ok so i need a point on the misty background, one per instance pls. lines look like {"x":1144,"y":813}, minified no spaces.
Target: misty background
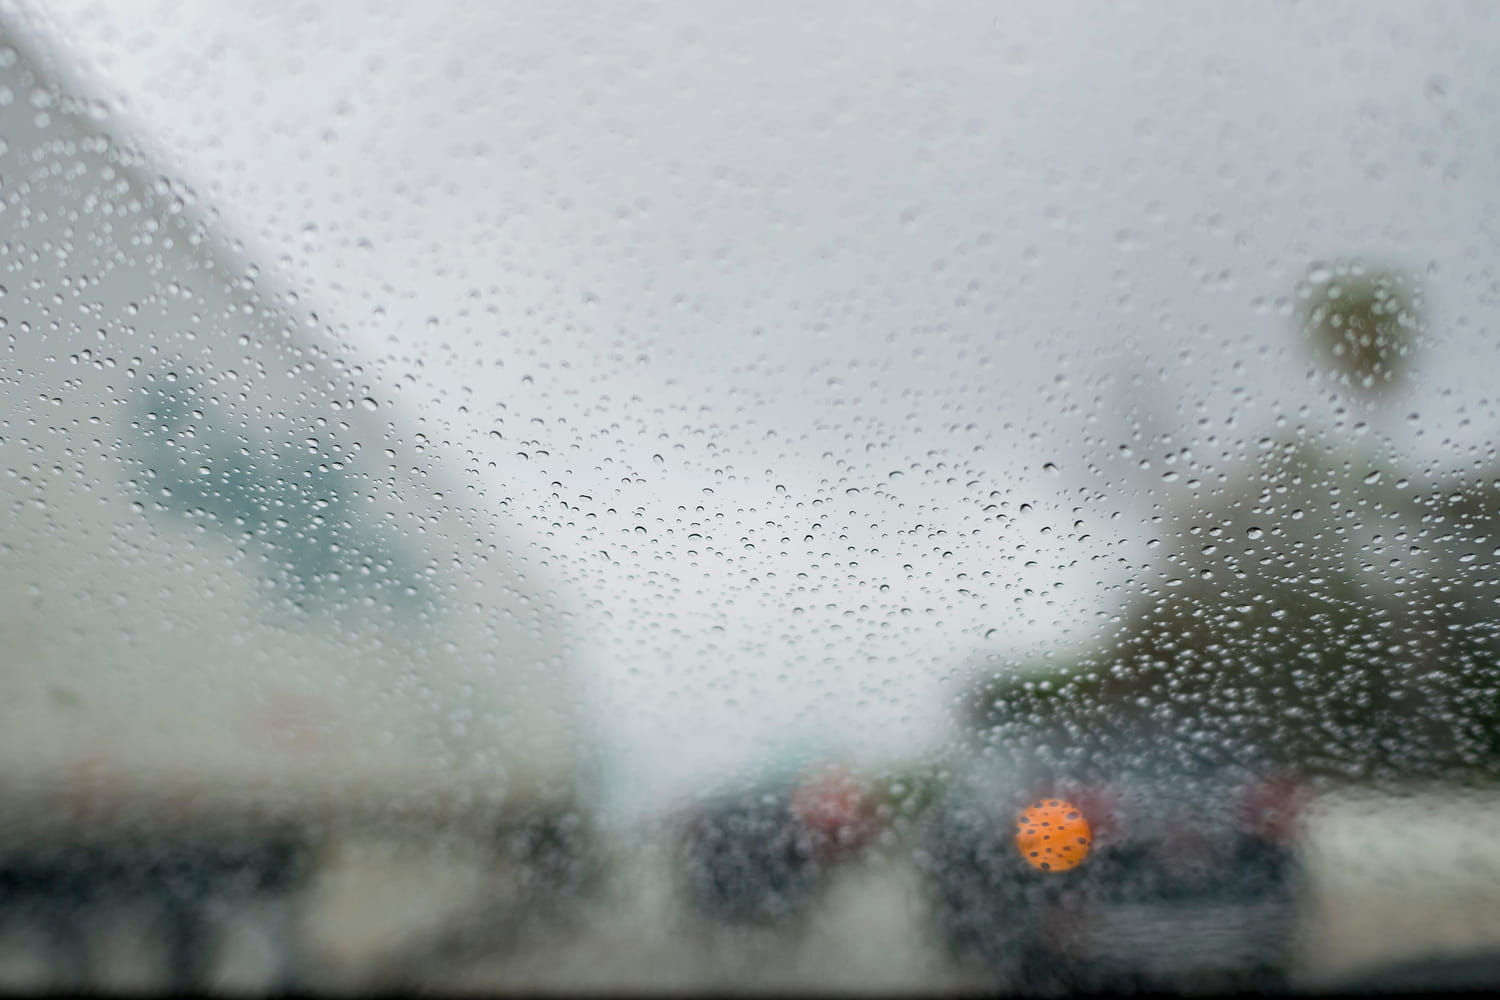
{"x":804,"y":345}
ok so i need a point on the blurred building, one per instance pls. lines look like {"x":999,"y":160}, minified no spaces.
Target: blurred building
{"x":244,"y":600}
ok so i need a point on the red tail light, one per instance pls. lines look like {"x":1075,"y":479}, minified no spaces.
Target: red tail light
{"x":832,"y":802}
{"x":1270,"y":809}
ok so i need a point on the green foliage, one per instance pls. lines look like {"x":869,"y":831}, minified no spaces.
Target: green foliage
{"x":901,"y":796}
{"x":1337,"y":621}
{"x":1364,"y":321}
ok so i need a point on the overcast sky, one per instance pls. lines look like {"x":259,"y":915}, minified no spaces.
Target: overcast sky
{"x":802,"y":338}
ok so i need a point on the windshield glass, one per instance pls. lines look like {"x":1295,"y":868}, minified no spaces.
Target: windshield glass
{"x":755,"y":498}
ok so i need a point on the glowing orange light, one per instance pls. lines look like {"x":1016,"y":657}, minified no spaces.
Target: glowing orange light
{"x":1052,"y":835}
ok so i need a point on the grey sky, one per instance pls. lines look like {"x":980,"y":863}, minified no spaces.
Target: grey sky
{"x":843,"y":280}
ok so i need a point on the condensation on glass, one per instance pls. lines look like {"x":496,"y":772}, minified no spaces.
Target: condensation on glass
{"x":993,"y":499}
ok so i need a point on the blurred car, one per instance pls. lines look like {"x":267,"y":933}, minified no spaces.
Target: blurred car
{"x":1061,"y":859}
{"x":759,"y":855}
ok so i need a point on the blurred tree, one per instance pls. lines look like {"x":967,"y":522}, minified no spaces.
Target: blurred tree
{"x":1295,"y":612}
{"x":1363,"y":319}
{"x":901,"y":795}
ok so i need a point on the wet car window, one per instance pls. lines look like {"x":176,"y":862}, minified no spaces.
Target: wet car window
{"x":981,"y":498}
